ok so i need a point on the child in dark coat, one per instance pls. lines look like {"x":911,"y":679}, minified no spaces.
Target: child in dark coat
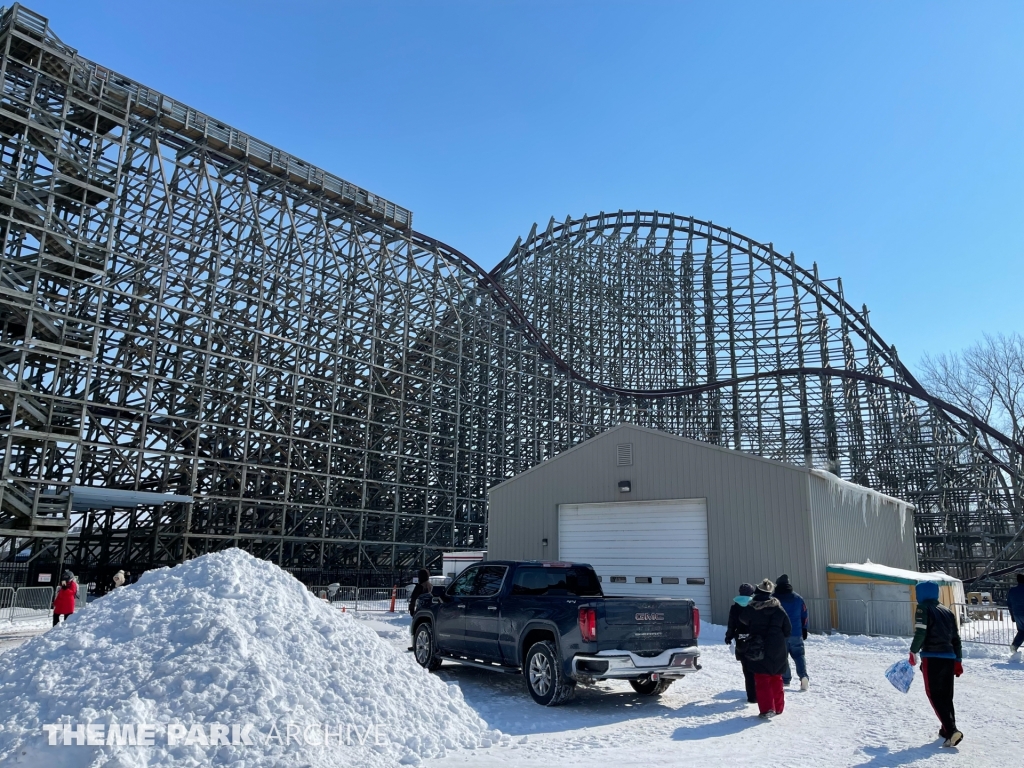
{"x":734,"y":631}
{"x":767,"y":653}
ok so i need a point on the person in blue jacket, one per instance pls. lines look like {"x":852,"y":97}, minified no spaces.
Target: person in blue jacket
{"x":796,"y":609}
{"x":1015,"y":602}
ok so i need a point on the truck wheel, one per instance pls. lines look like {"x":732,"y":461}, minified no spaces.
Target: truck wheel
{"x":647,"y":687}
{"x":423,"y":646}
{"x":544,"y":679}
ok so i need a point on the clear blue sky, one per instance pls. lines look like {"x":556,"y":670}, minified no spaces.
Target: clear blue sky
{"x":883,"y":140}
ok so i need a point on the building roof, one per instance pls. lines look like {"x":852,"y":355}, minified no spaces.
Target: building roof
{"x":842,"y":485}
{"x":656,"y":432}
{"x":85,"y":497}
{"x":887,"y":573}
{"x":847,"y":486}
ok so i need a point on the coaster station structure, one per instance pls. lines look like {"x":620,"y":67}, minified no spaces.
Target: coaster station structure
{"x":206,"y":342}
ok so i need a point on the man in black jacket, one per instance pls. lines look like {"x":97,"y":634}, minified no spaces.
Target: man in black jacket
{"x":734,"y":631}
{"x":937,"y":639}
{"x":767,"y":653}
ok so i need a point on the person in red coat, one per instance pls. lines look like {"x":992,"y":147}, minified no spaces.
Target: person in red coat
{"x":64,"y":602}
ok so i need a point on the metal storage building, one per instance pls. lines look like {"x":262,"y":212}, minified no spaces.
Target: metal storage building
{"x":659,"y":514}
{"x":874,"y":599}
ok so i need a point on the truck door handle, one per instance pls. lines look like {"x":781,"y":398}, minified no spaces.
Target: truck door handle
{"x":492,"y":607}
{"x":460,"y":605}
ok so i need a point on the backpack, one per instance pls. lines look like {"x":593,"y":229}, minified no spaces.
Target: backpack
{"x":753,"y":649}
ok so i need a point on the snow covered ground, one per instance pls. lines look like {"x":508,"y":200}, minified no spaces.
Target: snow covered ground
{"x":851,"y":716}
{"x":201,"y":622}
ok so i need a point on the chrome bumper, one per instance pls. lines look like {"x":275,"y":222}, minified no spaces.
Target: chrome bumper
{"x":623,"y":665}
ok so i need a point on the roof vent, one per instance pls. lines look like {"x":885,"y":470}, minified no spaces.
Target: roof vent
{"x":624,"y":455}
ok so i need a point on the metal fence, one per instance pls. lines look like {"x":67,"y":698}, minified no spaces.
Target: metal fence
{"x":992,"y":627}
{"x":364,"y":599}
{"x":32,"y":604}
{"x":6,"y":603}
{"x":895,"y":618}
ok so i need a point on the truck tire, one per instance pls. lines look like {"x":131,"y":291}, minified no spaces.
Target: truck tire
{"x":647,"y":687}
{"x":544,"y":678}
{"x":424,"y":648}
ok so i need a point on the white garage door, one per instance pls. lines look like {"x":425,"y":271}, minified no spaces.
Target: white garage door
{"x":650,"y":548}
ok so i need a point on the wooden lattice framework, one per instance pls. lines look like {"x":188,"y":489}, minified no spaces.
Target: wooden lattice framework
{"x":185,"y":309}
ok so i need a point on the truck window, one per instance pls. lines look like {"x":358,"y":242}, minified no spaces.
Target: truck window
{"x":580,"y":582}
{"x":488,"y":580}
{"x":464,"y":584}
{"x":583,"y":583}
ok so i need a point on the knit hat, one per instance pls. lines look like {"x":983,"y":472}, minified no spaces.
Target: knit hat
{"x":422,"y":575}
{"x":746,"y":590}
{"x":927,"y":590}
{"x":782,"y":581}
{"x":766,"y":586}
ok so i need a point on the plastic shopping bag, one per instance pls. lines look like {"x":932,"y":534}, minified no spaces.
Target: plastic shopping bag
{"x":901,"y":675}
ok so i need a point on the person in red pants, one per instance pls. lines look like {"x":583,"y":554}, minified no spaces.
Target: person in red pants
{"x":64,"y":602}
{"x":768,"y":625}
{"x":937,"y":639}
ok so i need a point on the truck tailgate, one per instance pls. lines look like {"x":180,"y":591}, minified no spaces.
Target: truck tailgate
{"x":645,"y":626}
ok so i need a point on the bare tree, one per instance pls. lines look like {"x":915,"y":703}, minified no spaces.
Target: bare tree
{"x":987,"y":381}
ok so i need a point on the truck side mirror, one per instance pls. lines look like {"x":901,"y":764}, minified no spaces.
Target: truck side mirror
{"x":437,"y":591}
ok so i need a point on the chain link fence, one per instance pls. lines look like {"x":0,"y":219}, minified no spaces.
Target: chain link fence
{"x":895,"y":618}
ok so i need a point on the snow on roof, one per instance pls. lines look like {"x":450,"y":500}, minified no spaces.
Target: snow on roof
{"x":889,"y":573}
{"x":231,"y":640}
{"x":846,"y":485}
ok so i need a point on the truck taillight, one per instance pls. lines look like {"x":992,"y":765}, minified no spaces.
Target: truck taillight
{"x":588,"y":625}
{"x":696,"y":623}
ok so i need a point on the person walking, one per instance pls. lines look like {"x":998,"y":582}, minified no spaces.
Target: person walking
{"x":735,"y":632}
{"x":768,"y":625}
{"x":796,"y":609}
{"x":937,"y":639}
{"x":64,"y":602}
{"x":1015,"y":602}
{"x":422,"y":588}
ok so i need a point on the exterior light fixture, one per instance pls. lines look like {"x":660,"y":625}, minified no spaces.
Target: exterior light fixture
{"x":625,"y":486}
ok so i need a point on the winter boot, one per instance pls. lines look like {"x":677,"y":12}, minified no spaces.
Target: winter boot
{"x":767,"y":715}
{"x":953,"y":740}
{"x":804,"y":683}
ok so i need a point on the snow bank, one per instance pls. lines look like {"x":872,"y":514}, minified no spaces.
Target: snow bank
{"x":230,"y":640}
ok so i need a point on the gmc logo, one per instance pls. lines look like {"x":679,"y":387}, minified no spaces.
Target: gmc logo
{"x":650,"y":617}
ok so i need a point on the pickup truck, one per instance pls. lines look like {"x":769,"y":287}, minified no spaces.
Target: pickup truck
{"x":551,"y":623}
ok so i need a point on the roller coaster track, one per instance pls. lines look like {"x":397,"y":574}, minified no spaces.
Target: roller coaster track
{"x":338,"y":390}
{"x":957,"y":418}
{"x":490,"y":282}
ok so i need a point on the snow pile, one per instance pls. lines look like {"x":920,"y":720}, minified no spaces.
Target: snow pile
{"x":225,"y":640}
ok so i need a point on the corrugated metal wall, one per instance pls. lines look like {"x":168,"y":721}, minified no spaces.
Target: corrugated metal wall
{"x":854,"y":525}
{"x":759,"y":511}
